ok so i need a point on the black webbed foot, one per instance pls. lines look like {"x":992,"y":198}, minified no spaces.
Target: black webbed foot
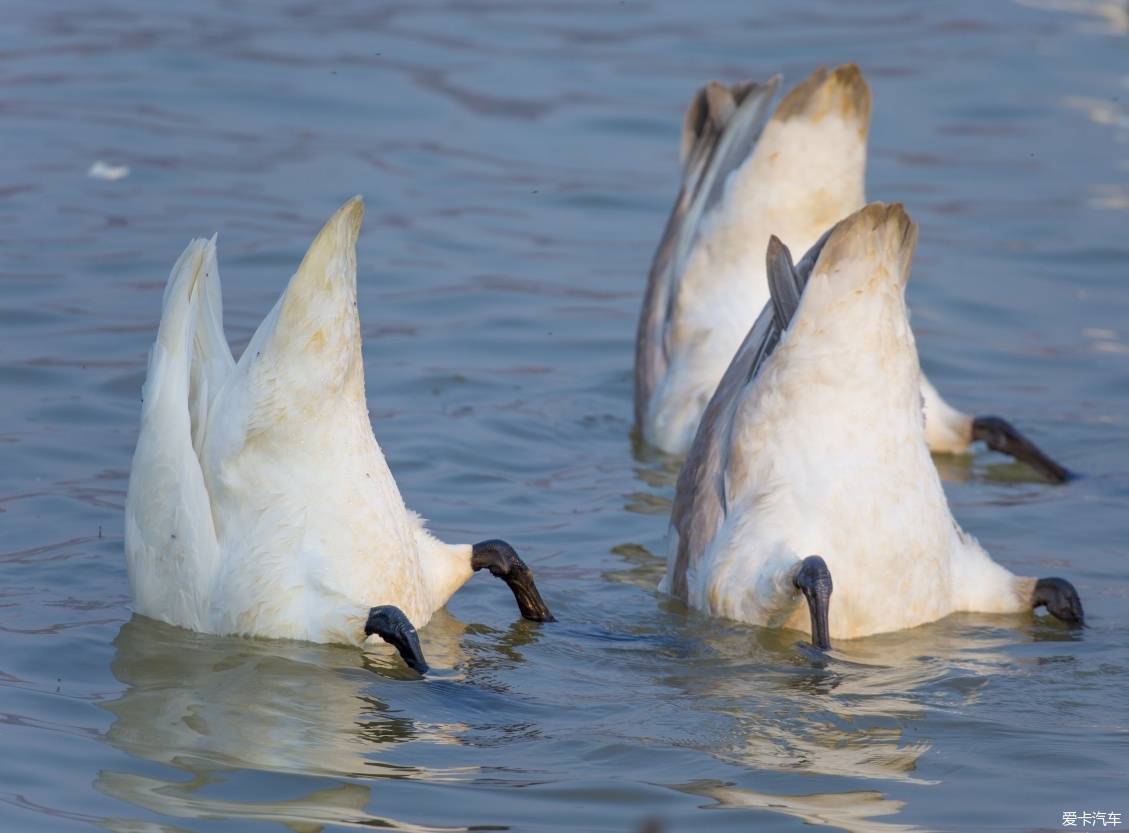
{"x":390,"y":624}
{"x":1001,"y":436}
{"x":502,"y":561}
{"x":813,"y":579}
{"x":1060,"y":599}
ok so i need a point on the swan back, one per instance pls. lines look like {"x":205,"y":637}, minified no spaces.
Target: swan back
{"x":803,"y":172}
{"x":259,"y":500}
{"x":808,"y":170}
{"x":306,"y":508}
{"x":818,"y":448}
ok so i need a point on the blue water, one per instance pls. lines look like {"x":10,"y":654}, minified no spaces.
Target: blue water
{"x":518,"y":162}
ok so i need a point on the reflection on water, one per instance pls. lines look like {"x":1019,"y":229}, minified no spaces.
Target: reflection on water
{"x":1115,"y":13}
{"x":297,"y":732}
{"x":862,"y":711}
{"x":213,"y":703}
{"x":829,"y":745}
{"x":219,"y":708}
{"x":792,"y":710}
{"x":341,"y":804}
{"x":850,"y":811}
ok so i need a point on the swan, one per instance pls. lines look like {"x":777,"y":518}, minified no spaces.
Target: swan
{"x":259,"y":501}
{"x":811,"y":462}
{"x":747,"y":175}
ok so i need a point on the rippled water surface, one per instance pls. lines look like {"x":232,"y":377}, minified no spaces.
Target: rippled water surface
{"x":518,"y":161}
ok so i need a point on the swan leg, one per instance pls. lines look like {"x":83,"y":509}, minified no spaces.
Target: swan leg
{"x":813,"y":579}
{"x":1059,"y":597}
{"x":390,"y":624}
{"x":1001,"y":436}
{"x":502,"y":561}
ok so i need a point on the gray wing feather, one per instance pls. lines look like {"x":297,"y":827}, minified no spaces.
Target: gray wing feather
{"x":722,"y":127}
{"x":700,"y":503}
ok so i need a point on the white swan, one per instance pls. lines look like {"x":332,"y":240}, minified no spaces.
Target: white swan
{"x":259,"y":501}
{"x":748,"y":176}
{"x":811,"y":462}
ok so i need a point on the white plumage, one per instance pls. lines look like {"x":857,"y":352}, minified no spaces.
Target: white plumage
{"x":796,"y":177}
{"x":814,"y":444}
{"x":259,"y":500}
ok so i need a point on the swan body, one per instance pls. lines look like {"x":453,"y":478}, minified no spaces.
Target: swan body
{"x":747,"y":177}
{"x":814,"y":444}
{"x":259,"y":500}
{"x":804,"y":170}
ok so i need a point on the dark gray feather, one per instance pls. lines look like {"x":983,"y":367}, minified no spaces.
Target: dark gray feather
{"x":700,"y":503}
{"x":725,"y":124}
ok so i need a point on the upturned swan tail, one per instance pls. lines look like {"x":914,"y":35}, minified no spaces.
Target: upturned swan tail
{"x":170,"y":539}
